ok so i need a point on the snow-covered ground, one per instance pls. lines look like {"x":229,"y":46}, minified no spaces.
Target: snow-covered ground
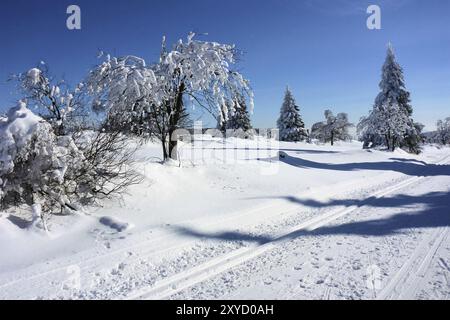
{"x":232,"y":220}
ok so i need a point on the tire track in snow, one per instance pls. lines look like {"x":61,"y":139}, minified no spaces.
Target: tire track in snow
{"x":185,"y":279}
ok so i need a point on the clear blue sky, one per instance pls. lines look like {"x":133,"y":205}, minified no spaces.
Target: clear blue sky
{"x":320,"y":48}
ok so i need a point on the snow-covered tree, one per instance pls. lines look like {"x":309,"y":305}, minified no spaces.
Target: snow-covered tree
{"x":390,"y":123}
{"x":290,"y":124}
{"x":443,"y":131}
{"x":54,"y":101}
{"x":235,"y":117}
{"x":392,"y":85}
{"x":333,"y":129}
{"x":194,"y":71}
{"x":239,"y":117}
{"x":414,"y":138}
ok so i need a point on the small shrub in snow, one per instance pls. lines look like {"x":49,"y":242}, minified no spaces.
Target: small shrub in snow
{"x":50,"y":173}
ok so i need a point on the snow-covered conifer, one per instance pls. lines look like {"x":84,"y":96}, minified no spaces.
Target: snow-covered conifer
{"x":390,"y":123}
{"x":290,"y":124}
{"x":239,"y":117}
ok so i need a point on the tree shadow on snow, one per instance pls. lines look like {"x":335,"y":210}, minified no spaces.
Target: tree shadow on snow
{"x":225,"y":236}
{"x":19,"y":222}
{"x":297,"y":151}
{"x":436,"y":213}
{"x":408,"y":167}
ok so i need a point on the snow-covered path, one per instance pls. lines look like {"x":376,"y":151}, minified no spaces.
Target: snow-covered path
{"x":358,"y":225}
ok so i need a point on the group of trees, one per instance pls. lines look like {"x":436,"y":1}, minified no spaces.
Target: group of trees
{"x":150,"y":99}
{"x":292,"y":128}
{"x":78,"y":149}
{"x":55,"y":162}
{"x":389,"y":124}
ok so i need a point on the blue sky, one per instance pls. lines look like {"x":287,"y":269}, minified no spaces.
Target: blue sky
{"x":322,"y":49}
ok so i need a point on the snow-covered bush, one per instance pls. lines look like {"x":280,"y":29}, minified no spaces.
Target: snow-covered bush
{"x":36,"y":165}
{"x":108,"y":167}
{"x":333,"y":129}
{"x":50,"y":173}
{"x":290,"y":123}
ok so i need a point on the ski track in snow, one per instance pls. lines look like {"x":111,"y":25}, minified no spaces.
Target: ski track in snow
{"x":405,"y":283}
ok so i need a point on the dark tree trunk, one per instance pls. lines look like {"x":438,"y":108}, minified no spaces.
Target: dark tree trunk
{"x":165,"y":154}
{"x":173,"y":148}
{"x":174,"y":122}
{"x":388,"y":142}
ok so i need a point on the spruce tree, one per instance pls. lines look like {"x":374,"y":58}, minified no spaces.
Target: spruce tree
{"x":392,"y":85}
{"x":390,"y":122}
{"x":290,"y":123}
{"x":239,"y":118}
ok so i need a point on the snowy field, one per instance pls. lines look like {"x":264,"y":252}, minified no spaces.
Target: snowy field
{"x":233,"y":220}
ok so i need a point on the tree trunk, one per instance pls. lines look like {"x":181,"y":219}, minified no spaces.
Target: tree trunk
{"x":174,"y":122}
{"x":173,"y":147}
{"x":332,"y":138}
{"x":388,"y":141}
{"x":165,"y":154}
